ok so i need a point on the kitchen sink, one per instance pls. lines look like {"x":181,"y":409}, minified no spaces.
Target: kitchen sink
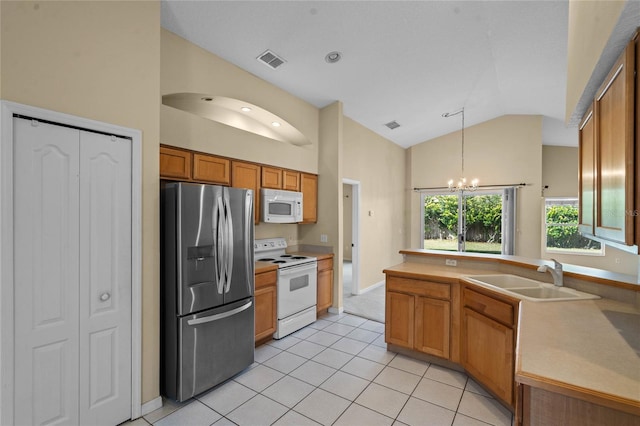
{"x":528,"y":289}
{"x":505,"y":281}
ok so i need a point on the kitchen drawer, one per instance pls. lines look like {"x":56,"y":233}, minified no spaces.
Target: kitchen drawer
{"x":492,"y":308}
{"x":266,"y":279}
{"x":325,"y":264}
{"x":419,"y":287}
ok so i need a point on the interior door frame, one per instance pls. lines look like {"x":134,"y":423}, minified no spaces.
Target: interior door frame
{"x":355,"y":234}
{"x":7,"y":111}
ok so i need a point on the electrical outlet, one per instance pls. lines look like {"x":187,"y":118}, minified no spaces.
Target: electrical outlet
{"x":324,"y":238}
{"x":451,"y":262}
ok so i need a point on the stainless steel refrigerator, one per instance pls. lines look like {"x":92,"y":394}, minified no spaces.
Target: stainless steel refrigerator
{"x":207,"y":264}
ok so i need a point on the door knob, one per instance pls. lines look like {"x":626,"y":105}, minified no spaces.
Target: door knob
{"x":105,"y":296}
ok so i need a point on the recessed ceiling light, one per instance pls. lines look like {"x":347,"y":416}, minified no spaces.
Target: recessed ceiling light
{"x":207,"y":99}
{"x":333,"y":57}
{"x":275,"y":124}
{"x":245,"y":109}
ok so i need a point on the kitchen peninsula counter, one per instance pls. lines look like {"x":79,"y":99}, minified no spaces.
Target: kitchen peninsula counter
{"x":588,"y":350}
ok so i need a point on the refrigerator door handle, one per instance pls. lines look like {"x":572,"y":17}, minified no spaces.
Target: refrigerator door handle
{"x":217,"y":317}
{"x":220,"y":243}
{"x":248,"y":249}
{"x":229,"y":237}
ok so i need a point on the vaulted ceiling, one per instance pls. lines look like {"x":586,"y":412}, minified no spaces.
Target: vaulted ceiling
{"x":403,"y":61}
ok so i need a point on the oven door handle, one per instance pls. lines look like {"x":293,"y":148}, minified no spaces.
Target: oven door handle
{"x":297,"y":270}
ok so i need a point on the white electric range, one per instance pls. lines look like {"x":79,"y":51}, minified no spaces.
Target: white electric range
{"x":296,"y":285}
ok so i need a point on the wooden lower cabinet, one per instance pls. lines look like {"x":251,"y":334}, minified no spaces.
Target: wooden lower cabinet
{"x":400,"y":313}
{"x":418,"y":315}
{"x":325,"y":284}
{"x":265,"y":305}
{"x":541,"y":407}
{"x":488,"y":341}
{"x":456,"y":323}
{"x":432,"y":326}
{"x":487,"y":353}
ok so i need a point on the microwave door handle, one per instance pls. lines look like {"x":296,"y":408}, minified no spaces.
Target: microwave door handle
{"x":229,"y":237}
{"x":219,"y":246}
{"x":217,"y":317}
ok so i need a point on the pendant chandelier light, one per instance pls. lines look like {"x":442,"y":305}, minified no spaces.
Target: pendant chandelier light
{"x":462,"y":184}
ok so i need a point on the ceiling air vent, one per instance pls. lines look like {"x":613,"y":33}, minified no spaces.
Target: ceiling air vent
{"x":392,"y":125}
{"x":270,"y":59}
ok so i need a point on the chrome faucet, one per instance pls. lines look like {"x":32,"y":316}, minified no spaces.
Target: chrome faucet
{"x":556,"y":272}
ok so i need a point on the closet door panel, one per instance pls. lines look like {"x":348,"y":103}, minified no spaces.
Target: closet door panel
{"x":46,"y":253}
{"x":105,"y":278}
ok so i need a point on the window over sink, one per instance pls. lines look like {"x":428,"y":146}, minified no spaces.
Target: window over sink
{"x":561,"y":229}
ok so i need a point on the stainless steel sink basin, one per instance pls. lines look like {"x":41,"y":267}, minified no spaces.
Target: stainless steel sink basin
{"x":526,"y":288}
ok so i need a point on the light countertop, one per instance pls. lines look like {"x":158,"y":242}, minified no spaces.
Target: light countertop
{"x":590,"y":344}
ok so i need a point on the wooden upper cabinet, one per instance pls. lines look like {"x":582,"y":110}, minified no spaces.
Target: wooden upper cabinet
{"x":290,"y":180}
{"x":309,"y":188}
{"x":587,"y":173}
{"x":175,"y":163}
{"x":209,"y":168}
{"x":247,"y":175}
{"x":615,"y":152}
{"x":271,"y":177}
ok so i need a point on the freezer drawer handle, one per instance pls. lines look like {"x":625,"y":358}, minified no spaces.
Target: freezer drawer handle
{"x":220,"y":316}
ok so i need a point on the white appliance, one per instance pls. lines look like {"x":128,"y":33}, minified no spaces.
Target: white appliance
{"x":296,"y":285}
{"x":280,"y":206}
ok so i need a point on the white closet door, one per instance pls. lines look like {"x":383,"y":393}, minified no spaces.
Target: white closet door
{"x":46,"y":253}
{"x":105,"y":279}
{"x":72,"y":276}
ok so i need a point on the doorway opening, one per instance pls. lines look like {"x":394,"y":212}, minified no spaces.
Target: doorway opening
{"x":350,"y":232}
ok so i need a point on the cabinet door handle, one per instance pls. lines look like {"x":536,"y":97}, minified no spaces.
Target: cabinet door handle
{"x":105,"y":296}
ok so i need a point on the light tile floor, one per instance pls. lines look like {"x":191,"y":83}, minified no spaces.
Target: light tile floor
{"x":337,"y":371}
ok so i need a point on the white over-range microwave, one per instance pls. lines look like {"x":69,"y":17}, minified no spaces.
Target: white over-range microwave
{"x":280,"y":206}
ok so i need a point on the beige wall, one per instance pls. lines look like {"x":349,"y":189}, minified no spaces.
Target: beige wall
{"x":99,"y":60}
{"x":329,"y":193}
{"x":506,"y":150}
{"x":379,"y":166}
{"x":188,"y":68}
{"x":560,"y":172}
{"x":590,"y":26}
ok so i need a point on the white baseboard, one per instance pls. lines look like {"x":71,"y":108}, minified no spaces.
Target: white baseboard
{"x":152,"y":405}
{"x":336,"y":310}
{"x":371,"y":287}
